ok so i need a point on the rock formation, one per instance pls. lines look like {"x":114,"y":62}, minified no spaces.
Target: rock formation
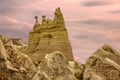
{"x":49,"y":36}
{"x":48,"y":43}
{"x":17,"y":42}
{"x":17,"y":66}
{"x":13,"y":64}
{"x":56,"y":67}
{"x":104,"y":64}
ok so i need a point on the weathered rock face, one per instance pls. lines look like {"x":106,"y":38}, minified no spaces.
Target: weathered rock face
{"x":17,"y":66}
{"x":104,"y":64}
{"x":17,"y":42}
{"x":56,"y":67}
{"x":13,"y":64}
{"x":78,"y":69}
{"x":49,"y":36}
{"x":44,"y":40}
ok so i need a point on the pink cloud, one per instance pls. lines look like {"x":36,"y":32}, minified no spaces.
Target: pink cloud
{"x":11,"y":20}
{"x":85,"y":38}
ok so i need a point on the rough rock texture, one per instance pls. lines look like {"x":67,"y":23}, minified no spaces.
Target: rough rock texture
{"x":17,"y":42}
{"x":44,"y":40}
{"x":17,"y":66}
{"x":49,"y":36}
{"x":13,"y":64}
{"x":78,"y":69}
{"x":56,"y":67}
{"x":104,"y":64}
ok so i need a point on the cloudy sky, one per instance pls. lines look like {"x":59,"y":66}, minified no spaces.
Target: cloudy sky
{"x":90,"y":23}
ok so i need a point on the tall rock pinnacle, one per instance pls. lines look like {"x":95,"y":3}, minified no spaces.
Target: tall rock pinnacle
{"x":58,"y":18}
{"x":49,"y":36}
{"x":36,"y":22}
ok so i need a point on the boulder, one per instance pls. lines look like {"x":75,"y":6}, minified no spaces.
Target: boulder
{"x":78,"y":69}
{"x":103,"y":65}
{"x":13,"y":64}
{"x":55,"y":67}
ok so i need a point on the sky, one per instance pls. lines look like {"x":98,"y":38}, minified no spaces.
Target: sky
{"x":90,"y":23}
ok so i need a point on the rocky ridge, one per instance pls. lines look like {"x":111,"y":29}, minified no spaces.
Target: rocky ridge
{"x":15,"y":65}
{"x":102,"y":65}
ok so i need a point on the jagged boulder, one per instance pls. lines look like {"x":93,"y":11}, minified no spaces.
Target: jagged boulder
{"x":18,"y":42}
{"x":104,"y":64}
{"x":78,"y":69}
{"x":55,"y":67}
{"x":13,"y":64}
{"x":17,"y":66}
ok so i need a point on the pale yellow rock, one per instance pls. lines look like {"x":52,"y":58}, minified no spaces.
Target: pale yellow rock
{"x":2,"y":50}
{"x":104,"y":64}
{"x":56,"y":67}
{"x":14,"y":64}
{"x":49,"y":36}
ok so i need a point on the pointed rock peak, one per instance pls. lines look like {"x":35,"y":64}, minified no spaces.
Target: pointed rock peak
{"x":36,"y":25}
{"x":58,"y":18}
{"x":108,"y":48}
{"x":104,"y":51}
{"x":106,"y":45}
{"x":36,"y":19}
{"x":58,"y":11}
{"x":43,"y":19}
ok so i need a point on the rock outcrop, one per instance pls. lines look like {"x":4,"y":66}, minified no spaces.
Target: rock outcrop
{"x":13,"y":64}
{"x":104,"y":64}
{"x":49,"y":36}
{"x":78,"y":69}
{"x":49,"y":56}
{"x":17,"y":66}
{"x":55,"y":66}
{"x":17,"y":42}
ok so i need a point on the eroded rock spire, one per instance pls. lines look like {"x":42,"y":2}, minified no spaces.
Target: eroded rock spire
{"x":36,"y":19}
{"x":50,"y":36}
{"x":37,"y":24}
{"x":58,"y":17}
{"x":43,"y":19}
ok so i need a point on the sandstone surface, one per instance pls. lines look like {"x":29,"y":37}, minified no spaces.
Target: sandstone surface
{"x":13,"y":64}
{"x":49,"y":56}
{"x":104,"y":64}
{"x":49,"y":36}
